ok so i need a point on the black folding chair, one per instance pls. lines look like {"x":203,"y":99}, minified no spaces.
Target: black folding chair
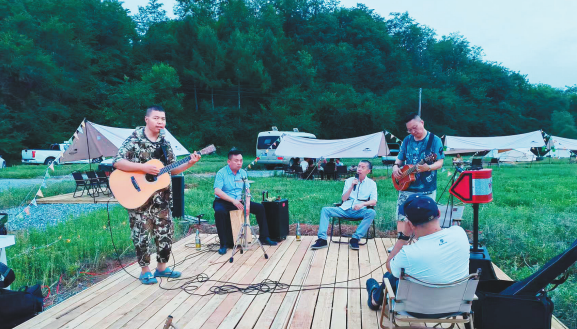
{"x":81,"y":183}
{"x":94,"y":183}
{"x":351,"y":219}
{"x":103,"y":184}
{"x":341,"y":170}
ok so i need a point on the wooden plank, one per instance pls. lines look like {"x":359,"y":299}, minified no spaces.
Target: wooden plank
{"x":242,"y":305}
{"x":354,"y":295}
{"x":97,"y":310}
{"x":269,"y":313}
{"x":185,"y":301}
{"x":117,"y":310}
{"x":230,"y":300}
{"x":60,"y":315}
{"x":204,"y":313}
{"x":69,"y":199}
{"x":369,"y":318}
{"x":324,"y":308}
{"x":339,"y":316}
{"x":226,"y":270}
{"x":305,"y":309}
{"x":254,"y":311}
{"x":286,"y":310}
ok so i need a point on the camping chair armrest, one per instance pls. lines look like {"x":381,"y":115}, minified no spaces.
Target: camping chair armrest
{"x":337,"y":204}
{"x":389,"y":293}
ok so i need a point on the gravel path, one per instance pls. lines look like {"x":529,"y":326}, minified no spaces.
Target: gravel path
{"x":7,"y":183}
{"x":48,"y":214}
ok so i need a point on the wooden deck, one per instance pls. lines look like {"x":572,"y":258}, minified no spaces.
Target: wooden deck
{"x":120,"y":301}
{"x":68,"y":198}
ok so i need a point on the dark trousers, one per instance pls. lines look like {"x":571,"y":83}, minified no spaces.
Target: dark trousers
{"x":222,"y":220}
{"x":379,"y":294}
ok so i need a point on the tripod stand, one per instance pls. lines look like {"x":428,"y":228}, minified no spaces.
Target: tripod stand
{"x":245,"y":229}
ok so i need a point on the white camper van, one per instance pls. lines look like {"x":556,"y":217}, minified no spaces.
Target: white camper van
{"x":264,"y":141}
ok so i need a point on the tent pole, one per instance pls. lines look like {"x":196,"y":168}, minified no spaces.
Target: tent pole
{"x":87,"y":144}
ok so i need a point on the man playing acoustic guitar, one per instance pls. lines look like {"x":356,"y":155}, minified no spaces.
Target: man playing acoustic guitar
{"x":144,"y":144}
{"x":415,"y":147}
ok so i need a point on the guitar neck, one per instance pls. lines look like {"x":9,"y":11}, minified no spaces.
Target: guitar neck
{"x":207,"y":150}
{"x":174,"y":165}
{"x":414,"y":168}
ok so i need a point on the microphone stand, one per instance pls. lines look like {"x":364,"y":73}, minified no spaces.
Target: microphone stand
{"x":245,"y":229}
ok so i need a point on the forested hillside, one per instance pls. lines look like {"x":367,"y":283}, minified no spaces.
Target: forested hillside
{"x":225,"y":70}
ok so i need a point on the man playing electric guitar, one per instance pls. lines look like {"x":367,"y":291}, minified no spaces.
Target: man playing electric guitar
{"x":144,"y":144}
{"x":416,"y":147}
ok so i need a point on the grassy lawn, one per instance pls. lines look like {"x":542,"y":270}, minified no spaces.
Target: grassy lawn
{"x":531,"y":219}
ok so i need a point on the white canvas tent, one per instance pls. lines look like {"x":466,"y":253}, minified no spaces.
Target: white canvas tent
{"x":95,"y":141}
{"x":563,"y":146}
{"x":368,"y":146}
{"x":455,"y":144}
{"x":518,"y":155}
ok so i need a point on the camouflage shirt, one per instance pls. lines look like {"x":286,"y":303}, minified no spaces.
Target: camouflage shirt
{"x":139,"y":149}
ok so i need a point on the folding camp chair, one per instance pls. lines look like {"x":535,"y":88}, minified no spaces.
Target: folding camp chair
{"x":81,"y":183}
{"x":103,"y":183}
{"x":417,"y":301}
{"x":420,"y":302}
{"x":94,"y":183}
{"x":341,"y":171}
{"x":351,"y":219}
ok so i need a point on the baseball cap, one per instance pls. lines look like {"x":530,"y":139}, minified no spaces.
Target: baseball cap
{"x":420,"y":209}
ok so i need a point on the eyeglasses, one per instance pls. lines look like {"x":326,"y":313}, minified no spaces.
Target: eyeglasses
{"x":415,"y":128}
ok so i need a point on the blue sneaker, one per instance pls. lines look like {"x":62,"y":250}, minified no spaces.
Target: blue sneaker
{"x":147,"y":278}
{"x":222,"y":251}
{"x":372,"y":286}
{"x":354,"y":243}
{"x":320,"y":244}
{"x":268,"y":241}
{"x":167,"y":273}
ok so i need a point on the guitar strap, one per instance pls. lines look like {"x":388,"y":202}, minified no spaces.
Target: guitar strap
{"x":429,"y":148}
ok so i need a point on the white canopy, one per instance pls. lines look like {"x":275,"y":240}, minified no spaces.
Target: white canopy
{"x":519,"y":155}
{"x":563,"y":146}
{"x":457,"y":144}
{"x":368,"y":146}
{"x":95,"y":141}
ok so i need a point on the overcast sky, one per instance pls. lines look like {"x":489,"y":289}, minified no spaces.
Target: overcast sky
{"x":535,"y":38}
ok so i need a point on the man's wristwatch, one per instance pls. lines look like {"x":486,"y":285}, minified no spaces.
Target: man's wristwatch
{"x":401,"y":236}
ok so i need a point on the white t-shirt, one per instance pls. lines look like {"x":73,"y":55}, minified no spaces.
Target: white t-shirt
{"x":441,"y":257}
{"x":304,"y":165}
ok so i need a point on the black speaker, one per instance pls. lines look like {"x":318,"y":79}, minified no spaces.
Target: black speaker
{"x":178,"y":196}
{"x":481,"y":259}
{"x":277,"y":218}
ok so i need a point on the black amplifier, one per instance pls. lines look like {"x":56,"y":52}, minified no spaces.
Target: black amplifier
{"x":277,"y":217}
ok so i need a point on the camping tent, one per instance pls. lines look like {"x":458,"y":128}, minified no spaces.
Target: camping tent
{"x":455,"y":144}
{"x":518,"y":155}
{"x":95,"y":141}
{"x":368,"y":146}
{"x":562,"y":146}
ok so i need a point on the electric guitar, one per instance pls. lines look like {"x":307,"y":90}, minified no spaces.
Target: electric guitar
{"x":408,"y":173}
{"x":132,"y":189}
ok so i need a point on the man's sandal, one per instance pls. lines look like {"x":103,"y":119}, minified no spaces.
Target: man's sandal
{"x":147,"y":278}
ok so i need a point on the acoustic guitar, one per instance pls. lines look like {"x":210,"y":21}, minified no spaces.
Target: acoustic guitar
{"x":132,"y":189}
{"x":408,"y":173}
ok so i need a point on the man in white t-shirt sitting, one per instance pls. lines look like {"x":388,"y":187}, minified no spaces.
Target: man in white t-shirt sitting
{"x":438,"y":256}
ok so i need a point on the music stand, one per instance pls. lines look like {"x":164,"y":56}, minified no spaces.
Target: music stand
{"x":245,"y":229}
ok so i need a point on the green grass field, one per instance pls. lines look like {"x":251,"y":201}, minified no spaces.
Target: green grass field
{"x":531,"y":219}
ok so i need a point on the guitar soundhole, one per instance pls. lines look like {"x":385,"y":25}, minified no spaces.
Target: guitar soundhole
{"x":150,"y":178}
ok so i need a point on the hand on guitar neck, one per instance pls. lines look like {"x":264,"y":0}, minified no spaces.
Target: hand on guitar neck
{"x":403,"y":177}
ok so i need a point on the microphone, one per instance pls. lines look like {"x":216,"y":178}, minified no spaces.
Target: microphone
{"x":357,"y":177}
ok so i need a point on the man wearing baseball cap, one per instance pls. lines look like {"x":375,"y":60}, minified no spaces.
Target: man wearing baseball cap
{"x":438,"y":256}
